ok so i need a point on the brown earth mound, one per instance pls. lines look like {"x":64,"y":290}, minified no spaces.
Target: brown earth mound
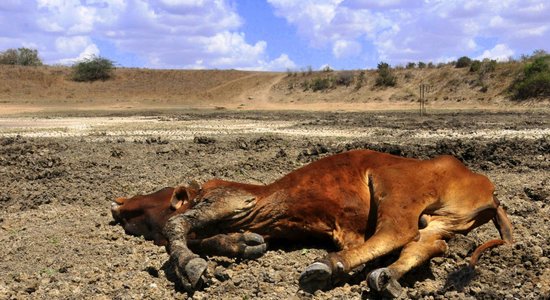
{"x":24,"y":89}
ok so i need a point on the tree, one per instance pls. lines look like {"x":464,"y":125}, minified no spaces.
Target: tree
{"x":21,"y":57}
{"x":534,"y":80}
{"x":463,"y":62}
{"x":385,"y":75}
{"x":92,"y":69}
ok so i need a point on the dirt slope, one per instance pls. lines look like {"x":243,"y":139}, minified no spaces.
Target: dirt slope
{"x":37,"y":88}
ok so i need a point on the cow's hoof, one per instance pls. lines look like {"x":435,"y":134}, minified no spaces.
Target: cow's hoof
{"x":317,"y":276}
{"x":253,"y":239}
{"x":382,"y":281}
{"x":194,"y":272}
{"x":253,"y":245}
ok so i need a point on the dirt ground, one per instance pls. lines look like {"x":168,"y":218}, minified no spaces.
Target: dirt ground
{"x":60,"y":172}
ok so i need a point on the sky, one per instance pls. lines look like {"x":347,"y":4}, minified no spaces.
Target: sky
{"x":274,"y":35}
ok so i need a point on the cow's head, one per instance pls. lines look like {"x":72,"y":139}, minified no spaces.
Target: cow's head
{"x":146,"y":215}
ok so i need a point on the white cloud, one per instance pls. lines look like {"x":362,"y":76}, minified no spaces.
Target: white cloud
{"x":344,"y":48}
{"x":88,"y":52}
{"x":402,"y":31}
{"x":163,"y":33}
{"x":75,"y":48}
{"x":500,"y":52}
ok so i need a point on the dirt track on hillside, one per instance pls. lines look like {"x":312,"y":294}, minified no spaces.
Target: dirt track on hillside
{"x":59,"y":175}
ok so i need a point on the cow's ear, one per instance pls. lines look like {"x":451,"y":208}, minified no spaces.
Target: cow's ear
{"x":179,"y":197}
{"x":182,"y":194}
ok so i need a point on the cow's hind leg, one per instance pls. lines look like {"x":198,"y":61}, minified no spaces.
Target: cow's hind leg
{"x":415,"y":253}
{"x":388,"y":237}
{"x":320,"y":274}
{"x":217,"y":204}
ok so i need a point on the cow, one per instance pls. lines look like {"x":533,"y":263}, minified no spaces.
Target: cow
{"x":364,"y":203}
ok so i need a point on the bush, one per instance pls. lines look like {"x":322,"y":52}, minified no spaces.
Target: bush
{"x":421,"y":65}
{"x":344,"y":78}
{"x":463,"y":62}
{"x":489,"y":65}
{"x":20,"y":56}
{"x":385,"y":75}
{"x":92,"y":69}
{"x":534,"y":80}
{"x":475,"y":66}
{"x":411,"y":65}
{"x":360,"y":79}
{"x":319,"y":84}
{"x":327,"y":69}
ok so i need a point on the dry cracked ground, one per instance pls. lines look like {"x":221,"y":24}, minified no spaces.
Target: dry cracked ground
{"x":59,"y":173}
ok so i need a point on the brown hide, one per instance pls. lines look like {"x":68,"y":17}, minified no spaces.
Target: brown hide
{"x":344,"y":198}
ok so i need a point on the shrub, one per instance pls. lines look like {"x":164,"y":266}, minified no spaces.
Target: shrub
{"x":475,"y":66}
{"x":534,"y":80}
{"x":344,"y":78}
{"x":92,"y":69}
{"x":360,"y":79}
{"x":410,"y":65}
{"x":421,"y":65}
{"x":20,"y":56}
{"x":463,"y":62}
{"x":385,"y":75}
{"x":319,"y":84}
{"x":327,"y":69}
{"x":488,"y":65}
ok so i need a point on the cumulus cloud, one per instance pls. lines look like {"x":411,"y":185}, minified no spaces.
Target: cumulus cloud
{"x":401,"y":31}
{"x":344,"y":48}
{"x":500,"y":52}
{"x":163,"y":33}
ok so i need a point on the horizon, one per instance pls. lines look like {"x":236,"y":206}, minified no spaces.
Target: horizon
{"x":273,"y":35}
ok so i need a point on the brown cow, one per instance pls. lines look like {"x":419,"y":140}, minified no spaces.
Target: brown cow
{"x":367,"y":203}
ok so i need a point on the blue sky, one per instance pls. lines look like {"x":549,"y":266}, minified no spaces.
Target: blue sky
{"x":274,"y":34}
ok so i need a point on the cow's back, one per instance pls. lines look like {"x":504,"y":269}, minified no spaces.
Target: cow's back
{"x":328,"y":198}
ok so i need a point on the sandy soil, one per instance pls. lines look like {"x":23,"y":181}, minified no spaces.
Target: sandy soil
{"x":59,"y":173}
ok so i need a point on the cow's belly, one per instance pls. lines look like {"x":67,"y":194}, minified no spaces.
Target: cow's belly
{"x":313,"y":219}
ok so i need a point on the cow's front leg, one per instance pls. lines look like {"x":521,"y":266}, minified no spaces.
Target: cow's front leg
{"x":217,"y":204}
{"x":415,"y":253}
{"x":246,"y":245}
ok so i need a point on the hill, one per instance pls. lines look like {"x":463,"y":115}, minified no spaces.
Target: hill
{"x":46,"y":87}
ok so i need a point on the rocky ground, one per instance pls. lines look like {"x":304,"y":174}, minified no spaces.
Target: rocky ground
{"x":58,"y":175}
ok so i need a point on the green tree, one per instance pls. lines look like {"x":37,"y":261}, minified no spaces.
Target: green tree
{"x":92,"y":69}
{"x":20,"y":56}
{"x":385,"y":75}
{"x":463,"y":62}
{"x":534,"y":80}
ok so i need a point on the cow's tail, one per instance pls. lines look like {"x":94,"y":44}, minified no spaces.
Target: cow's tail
{"x":502,"y":223}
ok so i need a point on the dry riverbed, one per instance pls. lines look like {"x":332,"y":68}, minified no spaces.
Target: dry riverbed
{"x":59,"y":173}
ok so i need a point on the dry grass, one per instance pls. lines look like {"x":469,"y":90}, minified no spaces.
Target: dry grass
{"x":37,"y":88}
